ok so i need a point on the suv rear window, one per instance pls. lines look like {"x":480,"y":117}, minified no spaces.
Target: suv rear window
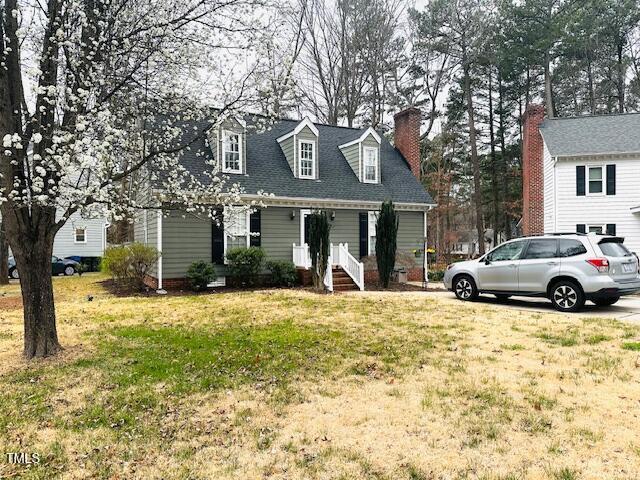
{"x":571,"y":248}
{"x":614,"y":249}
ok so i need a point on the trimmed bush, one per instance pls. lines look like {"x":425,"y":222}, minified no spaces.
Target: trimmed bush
{"x":319,"y":246}
{"x":200,"y":274}
{"x":245,"y":264}
{"x":128,"y":265}
{"x":386,"y":241}
{"x":435,"y":275}
{"x":283,"y":273}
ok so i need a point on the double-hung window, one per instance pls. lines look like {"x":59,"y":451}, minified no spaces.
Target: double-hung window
{"x":373,"y":218}
{"x":80,"y":235}
{"x":596,"y":180}
{"x":231,"y":153}
{"x":307,"y":158}
{"x":370,"y":165}
{"x":236,"y":228}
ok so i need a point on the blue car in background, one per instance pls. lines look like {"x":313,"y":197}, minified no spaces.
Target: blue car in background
{"x":59,"y":266}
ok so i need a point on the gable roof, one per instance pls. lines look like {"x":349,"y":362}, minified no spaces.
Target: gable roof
{"x":592,"y":135}
{"x":267,"y":168}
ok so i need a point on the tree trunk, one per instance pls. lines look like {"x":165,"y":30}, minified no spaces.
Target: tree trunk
{"x":33,"y":261}
{"x":4,"y":254}
{"x":474,"y":158}
{"x":31,"y":236}
{"x":503,"y":163}
{"x":592,"y":95}
{"x":548,"y":92}
{"x":620,"y":74}
{"x":494,"y":165}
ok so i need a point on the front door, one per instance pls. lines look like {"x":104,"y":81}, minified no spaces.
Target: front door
{"x":304,"y":226}
{"x":499,"y":269}
{"x":539,"y":263}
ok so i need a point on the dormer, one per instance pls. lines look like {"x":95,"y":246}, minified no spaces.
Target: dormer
{"x":300,"y":147}
{"x":228,"y":145}
{"x":363,"y":156}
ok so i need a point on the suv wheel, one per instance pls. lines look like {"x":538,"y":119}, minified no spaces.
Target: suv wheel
{"x":567,"y":296}
{"x":14,"y":274}
{"x":69,"y":270}
{"x":465,"y":288}
{"x":605,"y":302}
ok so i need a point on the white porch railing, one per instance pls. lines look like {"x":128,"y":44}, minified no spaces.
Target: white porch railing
{"x":348,"y":263}
{"x":338,"y":256}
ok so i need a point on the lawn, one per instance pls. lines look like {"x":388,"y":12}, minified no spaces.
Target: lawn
{"x":292,"y":385}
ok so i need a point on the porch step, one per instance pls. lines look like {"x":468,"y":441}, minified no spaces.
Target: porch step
{"x":342,"y":281}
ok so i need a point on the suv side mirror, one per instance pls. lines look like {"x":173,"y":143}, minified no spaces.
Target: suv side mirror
{"x":487,"y":260}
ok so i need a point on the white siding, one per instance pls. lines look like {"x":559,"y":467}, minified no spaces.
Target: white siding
{"x":65,"y":244}
{"x":549,"y":191}
{"x":601,"y":210}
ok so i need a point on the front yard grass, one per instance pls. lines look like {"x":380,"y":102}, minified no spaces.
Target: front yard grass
{"x":288,"y":384}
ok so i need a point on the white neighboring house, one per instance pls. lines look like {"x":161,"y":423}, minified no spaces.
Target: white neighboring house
{"x":81,"y":237}
{"x":582,"y":174}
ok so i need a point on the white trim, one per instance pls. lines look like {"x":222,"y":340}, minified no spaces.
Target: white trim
{"x":377,"y":164}
{"x":146,"y":226}
{"x":298,"y":202}
{"x":159,"y":247}
{"x":226,"y":133}
{"x":75,"y":235}
{"x":303,"y":213}
{"x":304,"y":123}
{"x":314,"y":159}
{"x":361,"y":138}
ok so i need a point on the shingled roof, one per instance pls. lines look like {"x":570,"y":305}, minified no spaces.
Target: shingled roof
{"x":592,"y":135}
{"x":267,"y":168}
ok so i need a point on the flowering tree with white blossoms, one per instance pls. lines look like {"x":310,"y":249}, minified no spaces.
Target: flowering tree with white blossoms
{"x":89,"y":91}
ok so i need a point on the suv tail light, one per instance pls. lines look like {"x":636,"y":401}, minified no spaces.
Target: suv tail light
{"x":601,"y":264}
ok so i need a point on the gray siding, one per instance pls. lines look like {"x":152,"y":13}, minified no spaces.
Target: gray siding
{"x":188,"y":239}
{"x":411,"y":232}
{"x":185,"y":239}
{"x":352,"y":155}
{"x":289,"y":152}
{"x":279,"y":232}
{"x":345,"y":228}
{"x":146,"y":223}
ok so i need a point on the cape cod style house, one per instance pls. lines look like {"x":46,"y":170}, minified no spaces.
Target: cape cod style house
{"x":582,"y":174}
{"x":347,"y":172}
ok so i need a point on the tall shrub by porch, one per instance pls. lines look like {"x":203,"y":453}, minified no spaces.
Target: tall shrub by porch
{"x":386,"y":241}
{"x":319,"y":247}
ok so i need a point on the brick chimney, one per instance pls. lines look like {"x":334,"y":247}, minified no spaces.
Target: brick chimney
{"x":406,"y":137}
{"x":532,"y":172}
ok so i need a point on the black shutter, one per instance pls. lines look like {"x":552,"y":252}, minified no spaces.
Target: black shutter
{"x":580,"y":180}
{"x":255,"y":227}
{"x":217,"y":240}
{"x":581,"y":228}
{"x":611,"y":229}
{"x":364,"y":234}
{"x":611,"y":179}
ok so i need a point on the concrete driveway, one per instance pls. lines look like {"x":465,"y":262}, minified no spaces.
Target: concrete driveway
{"x":627,"y":308}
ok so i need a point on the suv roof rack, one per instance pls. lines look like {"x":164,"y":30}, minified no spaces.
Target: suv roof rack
{"x":557,"y":234}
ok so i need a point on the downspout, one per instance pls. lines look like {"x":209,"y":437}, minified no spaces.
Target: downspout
{"x":425,"y":262}
{"x":160,"y":290}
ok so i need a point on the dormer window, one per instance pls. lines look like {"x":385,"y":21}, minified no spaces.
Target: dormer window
{"x":231,"y":152}
{"x":370,"y":165}
{"x":363,"y":156}
{"x":307,"y":158}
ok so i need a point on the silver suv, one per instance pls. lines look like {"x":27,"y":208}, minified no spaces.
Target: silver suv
{"x":568,"y":269}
